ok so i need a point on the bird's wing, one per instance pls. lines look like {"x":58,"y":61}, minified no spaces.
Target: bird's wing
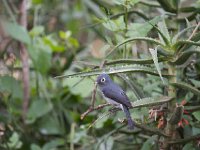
{"x":116,"y":94}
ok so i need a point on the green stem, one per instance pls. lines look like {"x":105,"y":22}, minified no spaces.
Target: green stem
{"x":72,"y":133}
{"x":9,"y":10}
{"x":126,"y":28}
{"x":170,"y":129}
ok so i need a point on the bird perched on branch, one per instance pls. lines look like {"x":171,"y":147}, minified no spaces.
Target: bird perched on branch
{"x":114,"y":95}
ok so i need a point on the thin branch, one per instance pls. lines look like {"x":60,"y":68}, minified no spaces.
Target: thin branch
{"x":194,"y":31}
{"x":192,"y":108}
{"x":91,"y":109}
{"x":104,"y":115}
{"x":85,"y":63}
{"x":24,"y":59}
{"x":151,"y":130}
{"x":184,"y":140}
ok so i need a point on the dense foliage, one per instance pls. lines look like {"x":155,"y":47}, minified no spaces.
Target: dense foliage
{"x":151,"y":48}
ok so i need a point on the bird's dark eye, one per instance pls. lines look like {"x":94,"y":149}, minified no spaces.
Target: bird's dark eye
{"x":103,"y":80}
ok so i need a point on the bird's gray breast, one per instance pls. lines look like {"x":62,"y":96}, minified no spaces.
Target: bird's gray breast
{"x":109,"y":100}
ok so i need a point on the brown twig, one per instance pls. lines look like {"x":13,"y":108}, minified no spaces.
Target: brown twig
{"x":91,"y":109}
{"x":24,"y":58}
{"x":193,"y":33}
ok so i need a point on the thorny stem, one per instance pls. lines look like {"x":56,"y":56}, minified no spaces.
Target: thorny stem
{"x":170,"y":129}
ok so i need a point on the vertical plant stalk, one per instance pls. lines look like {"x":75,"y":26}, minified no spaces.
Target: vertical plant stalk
{"x":125,"y":53}
{"x":72,"y":134}
{"x":24,"y":58}
{"x":170,"y":129}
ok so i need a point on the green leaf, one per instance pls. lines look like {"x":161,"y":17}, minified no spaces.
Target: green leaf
{"x":197,"y":115}
{"x":36,"y":2}
{"x":76,"y":86}
{"x":187,"y":87}
{"x":155,"y":59}
{"x":35,"y":147}
{"x":195,"y":82}
{"x":51,"y":42}
{"x":189,"y":146}
{"x":115,"y":25}
{"x":49,"y":125}
{"x":195,"y":130}
{"x":100,"y":122}
{"x":186,"y":42}
{"x":38,"y":109}
{"x":135,"y":39}
{"x":179,"y":34}
{"x":14,"y":141}
{"x":151,"y":101}
{"x":11,"y":85}
{"x":133,"y":86}
{"x":163,"y":38}
{"x":114,"y":70}
{"x":135,"y":61}
{"x":17,"y":32}
{"x":41,"y":56}
{"x":65,"y":35}
{"x":141,"y":30}
{"x":79,"y":136}
{"x":54,"y":144}
{"x":149,"y":144}
{"x":163,"y":28}
{"x":169,"y":5}
{"x":184,"y":56}
{"x":95,"y":8}
{"x":107,"y":144}
{"x":37,"y":30}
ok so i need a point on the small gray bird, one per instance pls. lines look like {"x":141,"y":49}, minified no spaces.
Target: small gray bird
{"x":114,"y":95}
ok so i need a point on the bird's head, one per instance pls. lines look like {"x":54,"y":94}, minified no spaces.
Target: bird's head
{"x":103,"y":79}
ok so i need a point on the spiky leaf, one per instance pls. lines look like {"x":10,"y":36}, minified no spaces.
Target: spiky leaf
{"x":135,"y":39}
{"x":114,"y":70}
{"x":187,"y":87}
{"x":135,"y":61}
{"x":155,"y":59}
{"x":184,"y":56}
{"x":151,"y":101}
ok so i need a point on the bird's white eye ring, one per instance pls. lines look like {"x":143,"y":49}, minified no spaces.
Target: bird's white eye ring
{"x":103,"y":80}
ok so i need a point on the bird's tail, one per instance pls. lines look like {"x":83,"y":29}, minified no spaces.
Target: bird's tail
{"x":128,"y":116}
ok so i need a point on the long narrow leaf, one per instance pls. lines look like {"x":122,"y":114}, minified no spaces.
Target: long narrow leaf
{"x":187,"y":87}
{"x":150,"y":101}
{"x":165,"y":39}
{"x":163,"y":28}
{"x":155,"y":59}
{"x":188,"y":42}
{"x":114,"y":70}
{"x":181,"y":33}
{"x":136,"y":61}
{"x":184,"y":56}
{"x":133,"y":86}
{"x":135,"y":39}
